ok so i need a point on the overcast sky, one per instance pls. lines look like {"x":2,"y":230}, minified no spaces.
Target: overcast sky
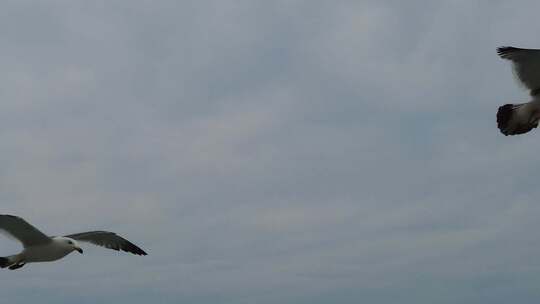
{"x":270,"y":151}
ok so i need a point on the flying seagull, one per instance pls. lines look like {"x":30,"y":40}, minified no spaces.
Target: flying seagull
{"x":39,"y":247}
{"x":515,"y":119}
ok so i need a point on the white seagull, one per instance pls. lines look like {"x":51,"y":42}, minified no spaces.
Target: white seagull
{"x":39,"y":247}
{"x":515,"y":119}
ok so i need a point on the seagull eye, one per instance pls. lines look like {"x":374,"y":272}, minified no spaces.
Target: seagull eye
{"x":70,"y":242}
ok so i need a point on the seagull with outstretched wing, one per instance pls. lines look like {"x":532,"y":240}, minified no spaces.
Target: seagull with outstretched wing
{"x":39,"y":247}
{"x":520,"y":118}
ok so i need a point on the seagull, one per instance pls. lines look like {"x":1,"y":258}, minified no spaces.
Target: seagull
{"x":39,"y":247}
{"x":513,"y":119}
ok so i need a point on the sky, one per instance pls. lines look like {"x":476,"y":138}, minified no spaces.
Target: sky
{"x":279,"y":151}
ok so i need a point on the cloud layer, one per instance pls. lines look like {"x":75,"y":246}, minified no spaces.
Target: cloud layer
{"x":264,"y":152}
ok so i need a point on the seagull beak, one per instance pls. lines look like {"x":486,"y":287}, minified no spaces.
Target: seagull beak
{"x":79,"y":250}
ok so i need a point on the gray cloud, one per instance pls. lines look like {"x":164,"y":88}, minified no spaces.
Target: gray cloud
{"x":263,"y":152}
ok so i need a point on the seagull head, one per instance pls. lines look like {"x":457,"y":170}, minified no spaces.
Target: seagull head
{"x":72,"y":244}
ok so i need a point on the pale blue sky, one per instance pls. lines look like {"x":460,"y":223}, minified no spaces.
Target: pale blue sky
{"x":270,"y":151}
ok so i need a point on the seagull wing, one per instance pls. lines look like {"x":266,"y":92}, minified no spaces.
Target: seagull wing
{"x":18,"y":228}
{"x":108,"y":240}
{"x":526,"y":65}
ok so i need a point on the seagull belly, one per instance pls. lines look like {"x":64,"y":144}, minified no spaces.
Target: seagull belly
{"x":45,"y":253}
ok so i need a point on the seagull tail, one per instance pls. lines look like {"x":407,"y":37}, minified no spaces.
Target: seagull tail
{"x":513,"y":119}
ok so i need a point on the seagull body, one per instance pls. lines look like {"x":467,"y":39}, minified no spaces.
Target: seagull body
{"x":39,"y":247}
{"x":513,"y":119}
{"x":58,"y":248}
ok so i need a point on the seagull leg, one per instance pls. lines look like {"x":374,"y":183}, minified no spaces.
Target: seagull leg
{"x":17,"y":266}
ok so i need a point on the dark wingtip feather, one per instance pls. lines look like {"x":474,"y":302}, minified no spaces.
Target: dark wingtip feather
{"x":503,"y":117}
{"x":10,"y":216}
{"x":506,"y":51}
{"x":132,"y":248}
{"x":128,"y":246}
